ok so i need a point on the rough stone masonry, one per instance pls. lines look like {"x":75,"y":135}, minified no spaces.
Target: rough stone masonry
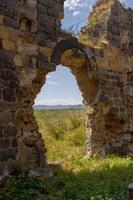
{"x":31,"y":45}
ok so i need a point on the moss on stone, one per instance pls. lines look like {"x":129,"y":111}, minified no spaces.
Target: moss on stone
{"x":95,"y":31}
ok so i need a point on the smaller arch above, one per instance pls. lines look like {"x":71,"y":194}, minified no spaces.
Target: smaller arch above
{"x":66,"y":44}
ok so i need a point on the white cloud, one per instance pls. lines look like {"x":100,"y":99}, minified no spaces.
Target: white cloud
{"x":90,"y":7}
{"x":57,"y":101}
{"x":74,"y":4}
{"x":52,"y":83}
{"x":76,"y":13}
{"x":49,"y":76}
{"x":122,"y":1}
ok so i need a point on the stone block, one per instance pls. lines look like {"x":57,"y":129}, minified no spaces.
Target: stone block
{"x":14,"y":142}
{"x":56,"y":13}
{"x":42,"y":60}
{"x":42,"y":9}
{"x":130,"y":192}
{"x":8,"y":21}
{"x":6,"y":74}
{"x":7,"y":154}
{"x":131,"y":48}
{"x":1,"y":19}
{"x":6,"y":56}
{"x":130,"y":147}
{"x":6,"y":117}
{"x":1,"y":131}
{"x":28,"y":49}
{"x":4,"y":64}
{"x":2,"y":168}
{"x":18,"y":60}
{"x":9,"y":94}
{"x":3,"y":3}
{"x":47,"y":3}
{"x":47,"y":21}
{"x":4,"y":33}
{"x":9,"y":131}
{"x":8,"y":45}
{"x":12,"y":4}
{"x":4,"y":143}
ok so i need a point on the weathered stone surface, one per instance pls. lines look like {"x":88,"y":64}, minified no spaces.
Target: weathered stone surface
{"x":8,"y":45}
{"x":8,"y":21}
{"x":8,"y":94}
{"x":7,"y":154}
{"x":6,"y":117}
{"x":110,"y":30}
{"x":32,"y":44}
{"x":14,"y":142}
{"x":4,"y":143}
{"x":9,"y":131}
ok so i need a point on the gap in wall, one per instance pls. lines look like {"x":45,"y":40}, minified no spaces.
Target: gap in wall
{"x":60,"y":113}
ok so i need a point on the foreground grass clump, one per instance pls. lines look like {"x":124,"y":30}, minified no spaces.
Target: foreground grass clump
{"x":75,"y":176}
{"x":96,"y":179}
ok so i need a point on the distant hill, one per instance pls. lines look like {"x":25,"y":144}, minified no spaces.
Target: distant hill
{"x":58,"y":107}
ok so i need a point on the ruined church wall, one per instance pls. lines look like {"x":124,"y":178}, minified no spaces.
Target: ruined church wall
{"x":109,"y":123}
{"x":28,"y":31}
{"x":109,"y":33}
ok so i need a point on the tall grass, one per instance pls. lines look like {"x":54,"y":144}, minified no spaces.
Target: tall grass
{"x":64,"y":133}
{"x":73,"y":125}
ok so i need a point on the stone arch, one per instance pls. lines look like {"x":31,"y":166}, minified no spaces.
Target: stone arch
{"x":89,"y":64}
{"x":70,"y":43}
{"x":88,"y":84}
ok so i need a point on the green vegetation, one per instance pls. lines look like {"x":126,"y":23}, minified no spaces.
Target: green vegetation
{"x":94,"y":34}
{"x":75,"y":176}
{"x":101,"y":12}
{"x":63,"y":132}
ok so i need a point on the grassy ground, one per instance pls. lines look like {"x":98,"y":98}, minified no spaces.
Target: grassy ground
{"x":63,"y":132}
{"x":75,"y":177}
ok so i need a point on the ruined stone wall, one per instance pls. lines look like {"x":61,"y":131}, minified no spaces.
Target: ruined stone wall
{"x":31,"y":45}
{"x":109,"y":33}
{"x":28,"y":31}
{"x":110,"y":116}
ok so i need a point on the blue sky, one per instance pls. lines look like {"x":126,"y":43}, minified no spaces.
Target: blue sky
{"x":61,"y":86}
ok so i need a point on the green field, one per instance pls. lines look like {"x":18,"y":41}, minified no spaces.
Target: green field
{"x":76,"y":177}
{"x":63,"y":132}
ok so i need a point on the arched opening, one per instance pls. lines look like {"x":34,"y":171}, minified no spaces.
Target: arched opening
{"x":80,"y":61}
{"x":61,"y":116}
{"x":60,"y":88}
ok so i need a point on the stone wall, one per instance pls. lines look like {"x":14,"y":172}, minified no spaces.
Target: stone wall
{"x":109,"y":33}
{"x":28,"y":32}
{"x":31,"y":45}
